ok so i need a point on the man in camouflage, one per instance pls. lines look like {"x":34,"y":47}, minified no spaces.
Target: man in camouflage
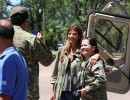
{"x":31,"y":47}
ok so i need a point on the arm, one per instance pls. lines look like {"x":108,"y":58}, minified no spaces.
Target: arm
{"x":100,"y":80}
{"x":94,"y":59}
{"x":5,"y":97}
{"x":54,"y":76}
{"x":55,"y":69}
{"x":52,"y":93}
{"x":43,"y":53}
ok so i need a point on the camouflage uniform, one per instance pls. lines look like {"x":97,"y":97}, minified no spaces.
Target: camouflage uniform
{"x":58,"y":75}
{"x":94,"y":80}
{"x":34,"y":51}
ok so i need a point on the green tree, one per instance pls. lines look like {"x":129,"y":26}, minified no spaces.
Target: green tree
{"x":4,"y":5}
{"x":51,"y":39}
{"x":57,"y":15}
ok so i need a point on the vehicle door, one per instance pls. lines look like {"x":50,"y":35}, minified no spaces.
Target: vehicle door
{"x":111,"y":28}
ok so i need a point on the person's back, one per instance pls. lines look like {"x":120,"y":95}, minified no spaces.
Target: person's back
{"x":16,"y":76}
{"x":32,"y":49}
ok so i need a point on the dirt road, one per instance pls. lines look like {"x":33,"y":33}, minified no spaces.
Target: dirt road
{"x":45,"y":87}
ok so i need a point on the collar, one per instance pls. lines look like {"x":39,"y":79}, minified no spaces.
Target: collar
{"x":18,"y":27}
{"x":76,"y":53}
{"x":8,"y":50}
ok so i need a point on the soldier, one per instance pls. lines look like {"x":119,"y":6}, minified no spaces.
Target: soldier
{"x":31,"y":47}
{"x":92,"y":78}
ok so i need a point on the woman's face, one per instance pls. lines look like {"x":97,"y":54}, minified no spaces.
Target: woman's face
{"x":73,"y":36}
{"x":86,"y":49}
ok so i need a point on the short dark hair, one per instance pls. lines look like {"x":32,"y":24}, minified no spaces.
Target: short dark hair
{"x":19,"y":18}
{"x":6,"y":31}
{"x":93,"y":42}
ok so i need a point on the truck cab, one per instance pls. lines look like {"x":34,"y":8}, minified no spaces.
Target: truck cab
{"x":111,"y":28}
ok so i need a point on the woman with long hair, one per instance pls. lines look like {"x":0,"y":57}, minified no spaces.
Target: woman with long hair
{"x":67,"y":65}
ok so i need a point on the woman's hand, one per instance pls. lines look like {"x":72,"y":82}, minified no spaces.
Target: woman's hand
{"x":83,"y":92}
{"x":94,"y":59}
{"x":52,"y":95}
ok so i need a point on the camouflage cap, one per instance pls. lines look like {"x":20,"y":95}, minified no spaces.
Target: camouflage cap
{"x":18,"y":9}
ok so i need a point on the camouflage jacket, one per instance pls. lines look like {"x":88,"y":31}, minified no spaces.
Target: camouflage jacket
{"x":93,"y":79}
{"x":34,"y":51}
{"x":59,"y":72}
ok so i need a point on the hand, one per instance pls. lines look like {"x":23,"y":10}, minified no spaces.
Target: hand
{"x":52,"y":95}
{"x":94,"y":59}
{"x":83,"y":92}
{"x":39,"y":36}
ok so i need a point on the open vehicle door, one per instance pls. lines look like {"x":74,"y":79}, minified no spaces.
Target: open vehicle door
{"x":111,"y":28}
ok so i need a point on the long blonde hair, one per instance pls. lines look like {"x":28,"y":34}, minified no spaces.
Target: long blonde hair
{"x":67,"y":45}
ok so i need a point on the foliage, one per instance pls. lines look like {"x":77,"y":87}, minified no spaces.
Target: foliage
{"x":57,"y":15}
{"x":51,"y":39}
{"x":4,"y":4}
{"x":53,"y":17}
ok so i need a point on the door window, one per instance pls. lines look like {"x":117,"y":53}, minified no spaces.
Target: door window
{"x":112,"y":36}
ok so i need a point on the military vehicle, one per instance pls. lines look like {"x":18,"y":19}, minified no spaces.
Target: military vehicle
{"x":111,"y":28}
